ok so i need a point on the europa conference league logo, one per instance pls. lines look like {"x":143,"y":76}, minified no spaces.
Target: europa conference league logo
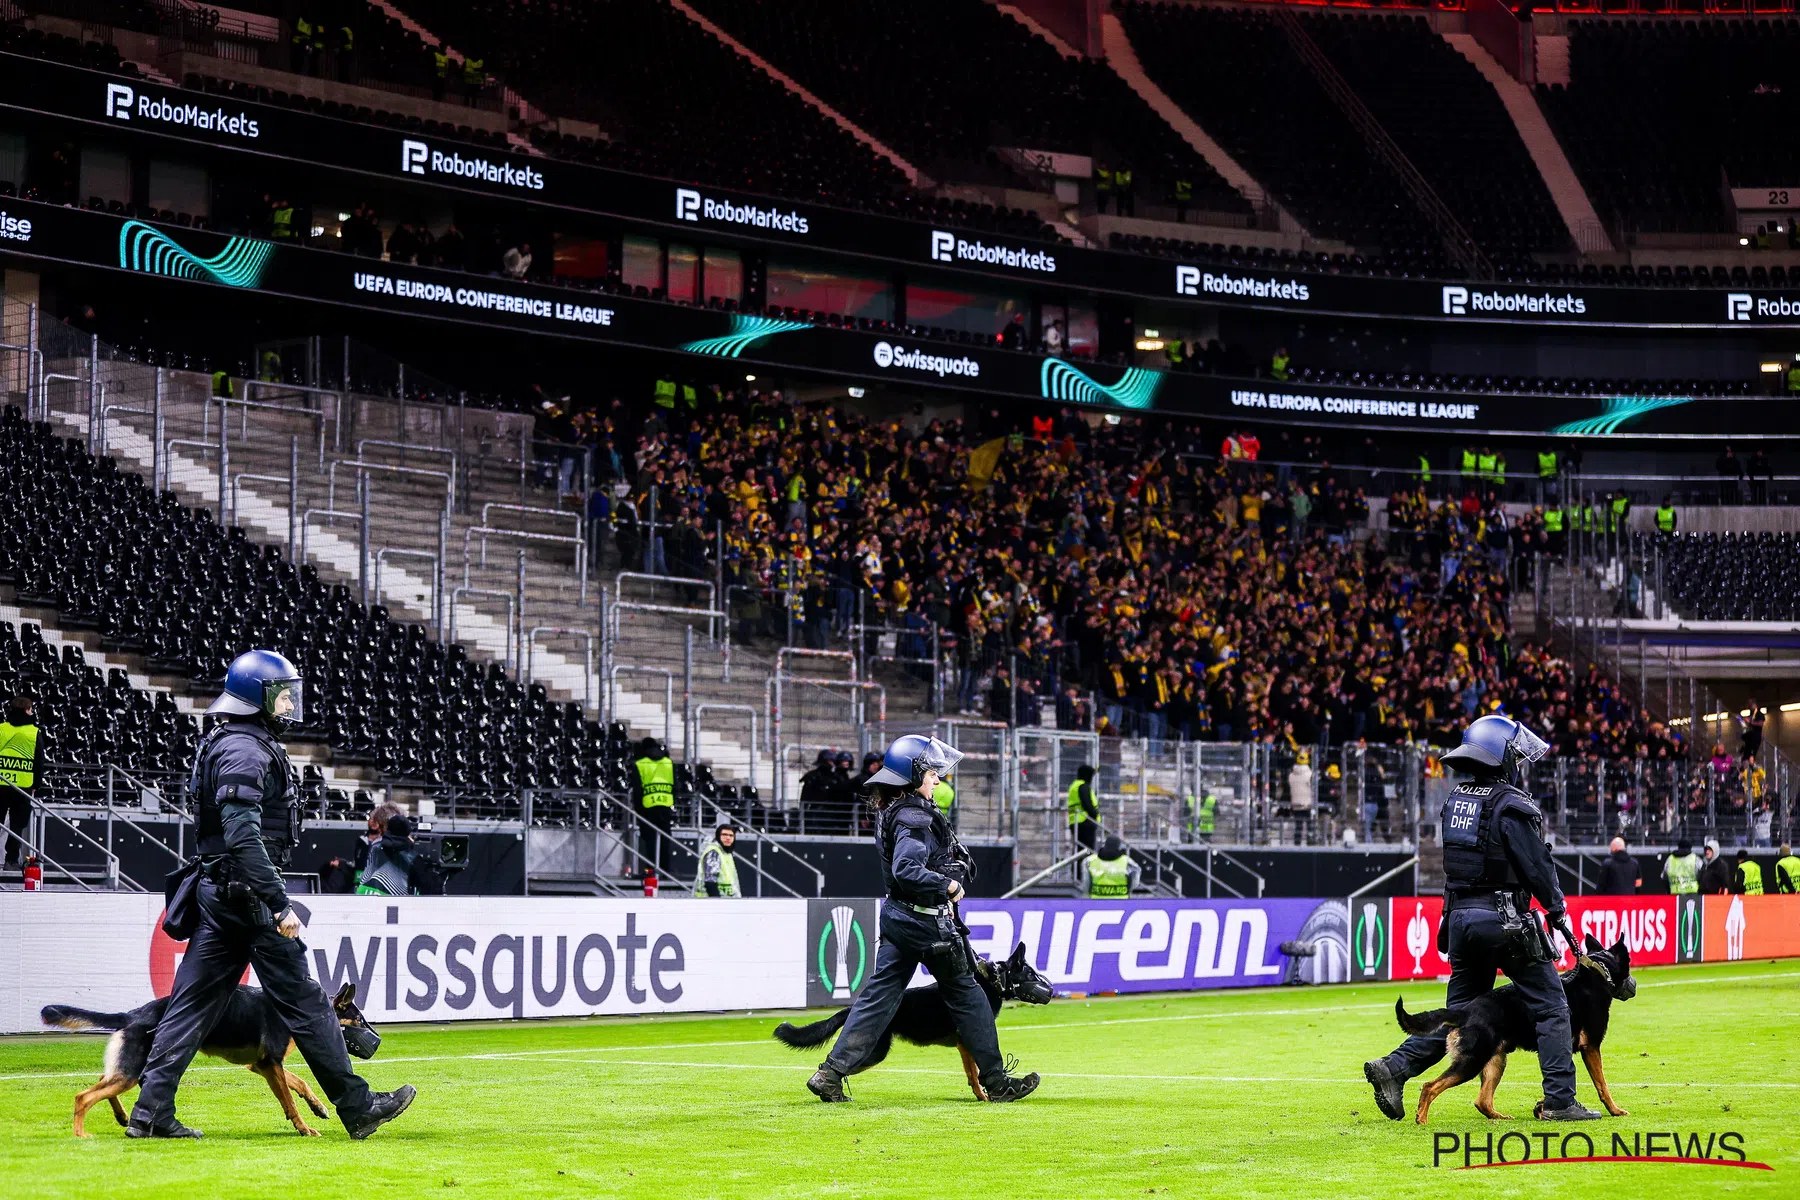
{"x":838,"y":931}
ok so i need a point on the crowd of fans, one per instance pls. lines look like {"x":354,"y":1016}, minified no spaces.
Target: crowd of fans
{"x":1123,"y":577}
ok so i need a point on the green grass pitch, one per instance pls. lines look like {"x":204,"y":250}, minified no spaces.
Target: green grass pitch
{"x":1242,"y":1093}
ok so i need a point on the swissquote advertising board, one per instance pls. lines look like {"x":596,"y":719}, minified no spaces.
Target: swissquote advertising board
{"x":464,"y":958}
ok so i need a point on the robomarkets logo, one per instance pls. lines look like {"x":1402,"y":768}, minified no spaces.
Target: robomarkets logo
{"x":843,"y":931}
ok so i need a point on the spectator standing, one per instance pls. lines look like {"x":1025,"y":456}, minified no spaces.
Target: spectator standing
{"x":516,"y":262}
{"x":1730,"y":470}
{"x":1750,"y":741}
{"x":1715,"y":873}
{"x":1619,"y":874}
{"x":1759,"y":476}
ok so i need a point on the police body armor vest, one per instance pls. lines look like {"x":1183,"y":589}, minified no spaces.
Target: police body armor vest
{"x":1474,"y":858}
{"x":279,"y":802}
{"x":942,"y":860}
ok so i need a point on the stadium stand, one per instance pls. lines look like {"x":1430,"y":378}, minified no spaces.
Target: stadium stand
{"x":1658,"y":111}
{"x":1450,"y":122}
{"x":1235,"y":73}
{"x":1732,"y":577}
{"x":1009,"y":88}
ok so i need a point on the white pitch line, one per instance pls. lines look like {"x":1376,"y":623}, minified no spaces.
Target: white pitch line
{"x":1010,"y":1029}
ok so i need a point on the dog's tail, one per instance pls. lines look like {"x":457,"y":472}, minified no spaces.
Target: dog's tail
{"x":1425,"y":1022}
{"x":65,"y":1017}
{"x":816,"y":1034}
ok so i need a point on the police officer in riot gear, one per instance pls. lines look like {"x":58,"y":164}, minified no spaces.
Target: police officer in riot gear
{"x":924,"y":868}
{"x":1495,"y":864}
{"x":247,"y":807}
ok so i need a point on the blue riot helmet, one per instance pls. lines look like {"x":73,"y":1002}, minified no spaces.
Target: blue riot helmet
{"x":908,"y":758}
{"x":263,"y":683}
{"x":1496,"y":745}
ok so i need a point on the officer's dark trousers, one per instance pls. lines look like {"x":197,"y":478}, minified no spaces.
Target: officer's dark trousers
{"x":1477,"y":947}
{"x":222,"y":946}
{"x":906,"y":939}
{"x":658,"y":846}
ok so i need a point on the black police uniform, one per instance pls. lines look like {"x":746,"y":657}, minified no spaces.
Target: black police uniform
{"x":1494,"y":846}
{"x":248,"y":820}
{"x":917,"y":864}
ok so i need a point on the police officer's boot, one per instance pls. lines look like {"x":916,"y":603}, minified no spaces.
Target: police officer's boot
{"x":1390,"y":1093}
{"x":383,"y":1107}
{"x":827,"y":1084}
{"x":1575,"y":1112}
{"x":170,"y":1128}
{"x":1003,"y":1087}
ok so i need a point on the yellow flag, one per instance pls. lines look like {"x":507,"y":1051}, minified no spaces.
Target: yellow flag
{"x":983,"y":460}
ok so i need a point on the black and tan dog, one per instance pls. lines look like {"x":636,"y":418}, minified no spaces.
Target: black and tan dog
{"x":1484,"y":1032}
{"x":250,"y":1033}
{"x":924,"y":1019}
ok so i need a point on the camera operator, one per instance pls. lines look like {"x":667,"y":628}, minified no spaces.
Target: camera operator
{"x":396,"y":867}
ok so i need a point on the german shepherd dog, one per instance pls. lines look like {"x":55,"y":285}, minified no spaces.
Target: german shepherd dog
{"x":250,"y":1033}
{"x":924,"y":1019}
{"x":1482,"y":1034}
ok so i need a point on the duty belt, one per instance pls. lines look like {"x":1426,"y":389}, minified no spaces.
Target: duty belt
{"x":928,"y":909}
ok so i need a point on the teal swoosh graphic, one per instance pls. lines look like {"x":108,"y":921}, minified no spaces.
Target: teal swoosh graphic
{"x":1617,"y":410}
{"x":1136,"y":387}
{"x":240,"y":264}
{"x":746,"y":331}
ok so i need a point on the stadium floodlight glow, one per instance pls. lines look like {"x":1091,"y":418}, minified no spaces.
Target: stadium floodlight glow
{"x":1150,"y":343}
{"x":749,"y":379}
{"x":1770,"y":368}
{"x":1794,"y":707}
{"x":857,"y":393}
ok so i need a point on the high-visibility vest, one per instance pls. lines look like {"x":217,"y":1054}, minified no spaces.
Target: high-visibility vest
{"x":665,"y":393}
{"x":1684,"y":874}
{"x":281,"y":221}
{"x":1793,"y":378}
{"x":1588,"y":519}
{"x":1173,"y":350}
{"x":1206,"y":815}
{"x":1077,"y":814}
{"x":1468,"y":462}
{"x":441,"y":61}
{"x":18,"y":754}
{"x":943,"y":795}
{"x":728,"y":879}
{"x":1122,"y":180}
{"x":1103,"y":179}
{"x":473,"y":71}
{"x":1109,"y":877}
{"x":349,"y":36}
{"x":1787,"y":874}
{"x":1278,"y":366}
{"x":1184,"y":191}
{"x":1752,"y":877}
{"x":222,"y":385}
{"x":1665,"y":519}
{"x":658,"y":777}
{"x":1486,"y":464}
{"x":1546,"y":464}
{"x":1553,"y":521}
{"x":1424,"y":469}
{"x":690,"y":396}
{"x":271,"y":367}
{"x":303,"y":31}
{"x":1620,"y":505}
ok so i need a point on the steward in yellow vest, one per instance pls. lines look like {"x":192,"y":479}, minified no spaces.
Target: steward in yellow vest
{"x":656,"y":800}
{"x":20,"y":767}
{"x":1084,"y":809}
{"x":718,"y":876}
{"x":1682,"y":870}
{"x":1665,"y":518}
{"x":1109,"y":872}
{"x":1749,"y":876}
{"x":1787,"y":872}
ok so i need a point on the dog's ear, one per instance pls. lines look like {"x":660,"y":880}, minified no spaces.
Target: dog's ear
{"x":1622,"y":950}
{"x":1592,"y":944}
{"x":1018,"y":955}
{"x":346,"y":996}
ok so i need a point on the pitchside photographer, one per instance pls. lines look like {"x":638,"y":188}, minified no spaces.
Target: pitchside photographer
{"x":923,"y":866}
{"x":1495,"y":864}
{"x":399,"y":866}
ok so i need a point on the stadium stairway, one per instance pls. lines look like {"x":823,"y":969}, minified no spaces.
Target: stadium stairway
{"x":1124,"y":61}
{"x":1571,"y":199}
{"x":913,"y":175}
{"x":403,"y":517}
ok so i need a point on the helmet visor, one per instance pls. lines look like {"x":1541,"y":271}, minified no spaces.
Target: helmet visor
{"x":285,"y":700}
{"x":1528,"y":745}
{"x":940,"y":758}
